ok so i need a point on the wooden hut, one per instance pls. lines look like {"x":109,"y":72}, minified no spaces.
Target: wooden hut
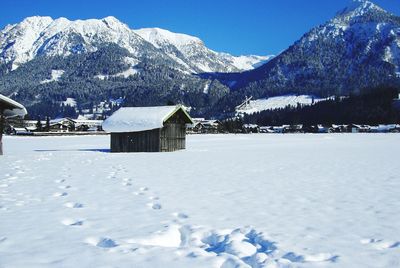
{"x":8,"y":108}
{"x":148,"y":129}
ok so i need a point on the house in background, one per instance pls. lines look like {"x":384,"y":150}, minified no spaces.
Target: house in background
{"x":62,"y":125}
{"x":211,"y":126}
{"x":251,"y":128}
{"x":148,"y":129}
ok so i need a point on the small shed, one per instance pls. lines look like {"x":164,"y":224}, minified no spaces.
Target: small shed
{"x":148,"y":129}
{"x":8,"y":108}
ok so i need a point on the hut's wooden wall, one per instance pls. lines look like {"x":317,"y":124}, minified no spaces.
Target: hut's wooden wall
{"x":173,"y":137}
{"x":173,"y":134}
{"x":142,"y":141}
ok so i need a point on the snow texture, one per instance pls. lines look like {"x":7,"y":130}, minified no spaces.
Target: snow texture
{"x":55,"y":76}
{"x":70,"y":102}
{"x":279,"y":102}
{"x":328,"y":200}
{"x":131,"y":119}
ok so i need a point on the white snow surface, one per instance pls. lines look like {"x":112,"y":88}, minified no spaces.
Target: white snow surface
{"x":125,"y":74}
{"x":55,"y":76}
{"x":248,"y":62}
{"x":158,"y":37}
{"x":279,"y":102}
{"x":70,"y":102}
{"x":129,"y":119}
{"x":328,"y":200}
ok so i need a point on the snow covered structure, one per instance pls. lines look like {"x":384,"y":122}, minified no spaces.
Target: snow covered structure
{"x":148,"y":129}
{"x":8,"y":108}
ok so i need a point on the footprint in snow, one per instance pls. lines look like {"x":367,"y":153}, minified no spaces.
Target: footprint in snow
{"x":72,"y":222}
{"x":59,"y":181}
{"x":143,"y":189}
{"x":180,"y":215}
{"x":60,"y":194}
{"x":127,"y":182}
{"x":101,"y":242}
{"x":154,"y":206}
{"x":321,"y":257}
{"x":380,"y":244}
{"x":73,"y":205}
{"x":63,"y":187}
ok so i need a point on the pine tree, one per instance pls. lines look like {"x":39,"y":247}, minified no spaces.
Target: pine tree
{"x":39,"y":126}
{"x":47,"y":124}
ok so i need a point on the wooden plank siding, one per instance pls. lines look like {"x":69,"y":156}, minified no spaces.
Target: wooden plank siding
{"x":142,"y":141}
{"x":173,"y":137}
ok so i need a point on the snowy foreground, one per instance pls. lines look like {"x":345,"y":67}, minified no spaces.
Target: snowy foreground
{"x":227,"y":201}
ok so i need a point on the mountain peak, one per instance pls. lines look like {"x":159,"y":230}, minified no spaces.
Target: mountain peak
{"x":111,"y":21}
{"x":35,"y":22}
{"x":36,"y":19}
{"x":359,"y":8}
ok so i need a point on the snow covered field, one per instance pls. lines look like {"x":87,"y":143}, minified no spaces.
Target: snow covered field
{"x":227,"y":201}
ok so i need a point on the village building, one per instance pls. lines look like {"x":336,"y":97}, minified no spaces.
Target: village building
{"x":201,"y":125}
{"x":354,"y":128}
{"x":251,"y":128}
{"x":148,"y":129}
{"x":62,"y":125}
{"x":8,"y":109}
{"x":211,"y":126}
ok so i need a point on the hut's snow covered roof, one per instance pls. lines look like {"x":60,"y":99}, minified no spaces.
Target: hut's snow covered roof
{"x":132,"y":119}
{"x":11,"y":108}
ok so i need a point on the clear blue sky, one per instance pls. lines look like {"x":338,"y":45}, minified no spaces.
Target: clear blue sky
{"x":237,"y":26}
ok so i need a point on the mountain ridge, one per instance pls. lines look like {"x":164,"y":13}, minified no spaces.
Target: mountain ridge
{"x":37,"y":35}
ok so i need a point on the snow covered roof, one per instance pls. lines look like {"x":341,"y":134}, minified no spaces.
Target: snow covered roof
{"x":132,"y":119}
{"x":11,"y":108}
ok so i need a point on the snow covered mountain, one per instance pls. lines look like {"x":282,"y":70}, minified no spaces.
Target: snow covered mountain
{"x":191,"y":52}
{"x":34,"y":36}
{"x":358,"y":48}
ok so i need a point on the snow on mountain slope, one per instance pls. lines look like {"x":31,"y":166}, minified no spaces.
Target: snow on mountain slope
{"x":246,"y":62}
{"x":55,"y":76}
{"x":44,"y":36}
{"x":160,"y":37}
{"x":194,"y":53}
{"x":125,"y":74}
{"x":34,"y":36}
{"x":17,"y":40}
{"x":359,"y":8}
{"x":278,"y":102}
